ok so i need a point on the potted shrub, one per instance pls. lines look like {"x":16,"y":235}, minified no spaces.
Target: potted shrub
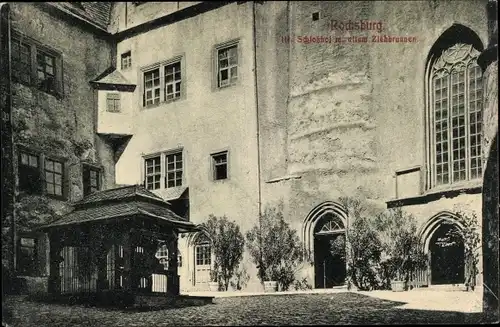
{"x":402,"y":250}
{"x":361,"y":248}
{"x":270,"y":286}
{"x":227,"y":246}
{"x":276,"y":250}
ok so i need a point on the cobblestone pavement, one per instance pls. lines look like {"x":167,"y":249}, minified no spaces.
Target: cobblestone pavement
{"x":308,"y":309}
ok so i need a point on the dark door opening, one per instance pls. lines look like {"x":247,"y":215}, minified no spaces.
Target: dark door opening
{"x":330,"y":269}
{"x":447,"y":256}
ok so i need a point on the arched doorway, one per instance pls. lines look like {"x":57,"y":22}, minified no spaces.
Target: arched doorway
{"x":329,"y":251}
{"x":447,"y":255}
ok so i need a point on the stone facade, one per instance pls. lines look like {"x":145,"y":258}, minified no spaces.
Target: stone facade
{"x":321,"y":109}
{"x":56,"y":125}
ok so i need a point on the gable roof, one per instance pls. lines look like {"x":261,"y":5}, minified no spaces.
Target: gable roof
{"x":112,"y":79}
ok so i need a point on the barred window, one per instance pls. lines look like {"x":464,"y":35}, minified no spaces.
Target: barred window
{"x":455,"y":116}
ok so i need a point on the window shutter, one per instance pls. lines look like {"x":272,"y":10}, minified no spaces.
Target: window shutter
{"x":30,"y":180}
{"x":66,"y":181}
{"x":86,"y":180}
{"x":59,"y":77}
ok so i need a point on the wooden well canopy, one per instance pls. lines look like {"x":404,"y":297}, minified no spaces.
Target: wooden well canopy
{"x":123,"y":239}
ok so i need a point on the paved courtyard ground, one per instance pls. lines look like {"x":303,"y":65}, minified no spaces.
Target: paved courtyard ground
{"x":286,"y":309}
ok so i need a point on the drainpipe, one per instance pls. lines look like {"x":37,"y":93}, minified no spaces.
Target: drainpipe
{"x":259,"y":202}
{"x":126,"y":14}
{"x":7,"y":137}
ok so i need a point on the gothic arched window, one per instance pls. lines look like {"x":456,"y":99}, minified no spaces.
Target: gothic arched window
{"x":455,"y":115}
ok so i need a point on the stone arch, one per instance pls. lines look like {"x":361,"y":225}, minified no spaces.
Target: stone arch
{"x":427,"y":230}
{"x":200,"y":273}
{"x":315,"y":215}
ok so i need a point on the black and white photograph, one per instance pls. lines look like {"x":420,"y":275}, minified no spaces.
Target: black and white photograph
{"x":243,"y":163}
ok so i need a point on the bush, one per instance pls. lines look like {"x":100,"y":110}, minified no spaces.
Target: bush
{"x":227,"y":245}
{"x":402,"y":251}
{"x":275,"y":248}
{"x":363,"y":246}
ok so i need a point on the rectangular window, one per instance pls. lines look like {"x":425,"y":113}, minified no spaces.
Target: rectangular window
{"x":152,"y":87}
{"x":21,"y":62}
{"x":153,"y":173}
{"x":164,"y":83}
{"x":126,"y":60}
{"x":173,"y":81}
{"x":53,"y":177}
{"x":46,"y":71}
{"x":227,"y":65}
{"x":91,"y":179}
{"x":174,"y":170}
{"x":113,"y":102}
{"x":30,"y":179}
{"x":219,"y":165}
{"x":36,"y":65}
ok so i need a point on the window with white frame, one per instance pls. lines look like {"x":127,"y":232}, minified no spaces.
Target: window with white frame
{"x":203,"y":253}
{"x":153,"y":173}
{"x":113,"y":102}
{"x":173,"y":81}
{"x":164,"y":170}
{"x":227,"y":65}
{"x":152,"y":87}
{"x":455,"y":116}
{"x":174,"y":169}
{"x":126,"y":60}
{"x":163,"y":83}
{"x":162,"y":255}
{"x":220,"y":165}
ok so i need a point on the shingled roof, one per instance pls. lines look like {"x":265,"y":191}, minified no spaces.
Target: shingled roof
{"x":120,"y":203}
{"x":95,"y":13}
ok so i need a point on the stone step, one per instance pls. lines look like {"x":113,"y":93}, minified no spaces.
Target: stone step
{"x":443,"y":288}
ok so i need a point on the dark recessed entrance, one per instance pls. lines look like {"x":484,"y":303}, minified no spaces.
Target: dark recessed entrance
{"x":447,"y":256}
{"x":329,"y":252}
